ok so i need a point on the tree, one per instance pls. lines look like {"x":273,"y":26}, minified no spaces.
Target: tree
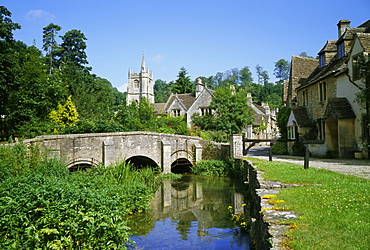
{"x":50,"y":44}
{"x":262,"y":75}
{"x":162,"y":91}
{"x":281,"y":70}
{"x":73,"y":49}
{"x":65,"y":116}
{"x":245,"y":77}
{"x":183,"y":83}
{"x":6,"y":25}
{"x":231,"y":112}
{"x":8,"y":59}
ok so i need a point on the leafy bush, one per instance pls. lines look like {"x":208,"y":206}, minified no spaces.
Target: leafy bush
{"x":45,"y":206}
{"x":298,"y":148}
{"x":280,"y":148}
{"x":211,"y":168}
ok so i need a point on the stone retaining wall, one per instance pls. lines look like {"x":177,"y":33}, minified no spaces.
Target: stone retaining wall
{"x":268,"y":230}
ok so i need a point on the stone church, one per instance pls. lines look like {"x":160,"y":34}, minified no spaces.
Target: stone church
{"x":140,"y":85}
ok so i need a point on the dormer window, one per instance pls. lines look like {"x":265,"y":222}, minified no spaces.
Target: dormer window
{"x":341,"y":50}
{"x":322,"y":60}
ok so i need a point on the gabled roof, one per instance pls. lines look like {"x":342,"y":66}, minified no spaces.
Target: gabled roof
{"x":301,"y":116}
{"x":186,"y":100}
{"x":330,"y":46}
{"x":339,"y":108}
{"x":301,"y":67}
{"x":364,"y":39}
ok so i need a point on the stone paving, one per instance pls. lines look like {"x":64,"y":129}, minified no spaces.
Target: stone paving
{"x":355,"y":167}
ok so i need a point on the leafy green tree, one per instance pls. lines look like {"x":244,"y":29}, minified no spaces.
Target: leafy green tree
{"x":262,"y":75}
{"x":50,"y":45}
{"x":8,"y":59}
{"x":128,"y":117}
{"x":281,"y":70}
{"x":183,"y":83}
{"x":245,"y":77}
{"x":6,"y":25}
{"x":162,"y":91}
{"x":147,"y":115}
{"x":231,"y":112}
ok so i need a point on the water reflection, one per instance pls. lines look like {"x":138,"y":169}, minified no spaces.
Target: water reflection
{"x":191,"y":213}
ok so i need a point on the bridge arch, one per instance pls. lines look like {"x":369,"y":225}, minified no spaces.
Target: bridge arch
{"x":141,"y":161}
{"x":82,"y":163}
{"x":181,"y":165}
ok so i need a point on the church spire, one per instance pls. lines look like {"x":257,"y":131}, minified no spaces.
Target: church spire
{"x":143,"y":67}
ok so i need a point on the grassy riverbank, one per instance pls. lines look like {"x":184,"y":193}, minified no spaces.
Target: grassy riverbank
{"x":334,"y":208}
{"x":43,"y":206}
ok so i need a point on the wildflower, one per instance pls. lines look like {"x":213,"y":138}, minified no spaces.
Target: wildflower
{"x":244,"y":204}
{"x":268,"y":196}
{"x":243,"y":223}
{"x":229,"y":207}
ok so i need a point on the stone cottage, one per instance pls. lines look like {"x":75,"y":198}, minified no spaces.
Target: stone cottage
{"x":325,"y":115}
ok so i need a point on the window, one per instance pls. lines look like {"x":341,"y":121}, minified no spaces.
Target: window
{"x":176,"y":112}
{"x":341,"y":50}
{"x":205,"y":111}
{"x":292,"y":131}
{"x":357,"y":61}
{"x":321,"y":128}
{"x":322,"y":91}
{"x":322,"y":60}
{"x":305,"y":97}
{"x":136,"y":84}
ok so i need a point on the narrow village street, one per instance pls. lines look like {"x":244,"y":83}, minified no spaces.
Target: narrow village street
{"x":355,"y":167}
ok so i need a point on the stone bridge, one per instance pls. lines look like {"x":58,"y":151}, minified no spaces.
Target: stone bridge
{"x":172,"y":153}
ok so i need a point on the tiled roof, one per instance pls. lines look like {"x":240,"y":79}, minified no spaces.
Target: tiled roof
{"x":334,"y":66}
{"x":186,"y":99}
{"x":364,"y":39}
{"x":339,"y":108}
{"x":301,"y":67}
{"x":330,"y":46}
{"x":301,"y":116}
{"x":159,"y":108}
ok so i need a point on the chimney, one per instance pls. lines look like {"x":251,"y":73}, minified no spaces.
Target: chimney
{"x":343,"y":25}
{"x":198,"y":87}
{"x":249,"y":97}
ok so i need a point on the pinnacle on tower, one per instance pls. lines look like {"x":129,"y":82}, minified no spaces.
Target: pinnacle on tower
{"x":143,"y":67}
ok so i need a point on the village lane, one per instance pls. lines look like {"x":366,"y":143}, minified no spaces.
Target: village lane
{"x":355,"y":167}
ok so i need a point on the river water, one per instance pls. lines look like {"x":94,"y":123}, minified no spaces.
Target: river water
{"x":191,"y":213}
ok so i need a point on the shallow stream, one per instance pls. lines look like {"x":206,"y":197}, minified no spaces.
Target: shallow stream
{"x":191,"y":213}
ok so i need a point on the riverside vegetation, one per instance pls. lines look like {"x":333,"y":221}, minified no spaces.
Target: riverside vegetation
{"x":333,"y":208}
{"x":44,"y":206}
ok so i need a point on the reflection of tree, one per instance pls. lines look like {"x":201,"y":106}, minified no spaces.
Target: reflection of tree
{"x":141,"y":224}
{"x":183,"y":226}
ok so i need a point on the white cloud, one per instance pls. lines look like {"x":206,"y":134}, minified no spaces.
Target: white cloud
{"x":40,"y":15}
{"x":123,"y":88}
{"x":158,"y":58}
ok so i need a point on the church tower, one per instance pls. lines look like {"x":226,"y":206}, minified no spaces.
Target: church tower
{"x":140,"y":85}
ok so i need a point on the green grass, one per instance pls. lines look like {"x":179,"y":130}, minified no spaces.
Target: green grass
{"x":334,"y":209}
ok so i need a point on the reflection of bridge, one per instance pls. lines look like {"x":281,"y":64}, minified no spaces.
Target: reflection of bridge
{"x":190,"y":200}
{"x":169,"y":152}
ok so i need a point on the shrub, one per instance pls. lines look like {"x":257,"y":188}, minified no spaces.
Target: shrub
{"x":212,"y":168}
{"x":298,"y":148}
{"x":280,"y":148}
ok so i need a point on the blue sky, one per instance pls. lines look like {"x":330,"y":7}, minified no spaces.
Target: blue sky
{"x":203,"y":36}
